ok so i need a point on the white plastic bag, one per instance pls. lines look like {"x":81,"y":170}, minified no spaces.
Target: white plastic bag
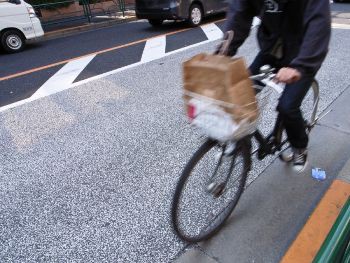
{"x":217,"y":124}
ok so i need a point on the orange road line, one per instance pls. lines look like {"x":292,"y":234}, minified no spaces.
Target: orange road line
{"x":310,"y":239}
{"x":26,"y":72}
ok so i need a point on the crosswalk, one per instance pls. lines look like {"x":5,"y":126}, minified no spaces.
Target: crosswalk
{"x":73,"y":73}
{"x":65,"y":78}
{"x":154,"y":49}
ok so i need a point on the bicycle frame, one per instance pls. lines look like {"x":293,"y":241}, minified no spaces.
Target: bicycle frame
{"x":232,"y":152}
{"x":274,"y":141}
{"x":270,"y":144}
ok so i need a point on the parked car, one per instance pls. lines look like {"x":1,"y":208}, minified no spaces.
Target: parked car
{"x":156,"y":11}
{"x":18,"y":23}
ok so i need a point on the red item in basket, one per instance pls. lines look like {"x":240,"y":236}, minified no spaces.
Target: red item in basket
{"x":191,"y":111}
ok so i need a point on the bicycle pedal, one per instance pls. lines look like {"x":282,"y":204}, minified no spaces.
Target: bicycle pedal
{"x":219,"y":190}
{"x":261,"y":154}
{"x":211,"y":187}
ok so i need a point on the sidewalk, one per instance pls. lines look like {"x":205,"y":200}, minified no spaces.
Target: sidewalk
{"x":72,"y":27}
{"x":276,"y":206}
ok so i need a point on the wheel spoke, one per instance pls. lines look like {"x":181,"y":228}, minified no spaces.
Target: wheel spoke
{"x":14,"y":42}
{"x":199,"y":212}
{"x":196,"y":15}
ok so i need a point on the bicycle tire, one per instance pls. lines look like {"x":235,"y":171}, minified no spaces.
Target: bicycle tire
{"x":242,"y":149}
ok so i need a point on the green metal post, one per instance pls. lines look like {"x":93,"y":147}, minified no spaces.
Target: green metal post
{"x":122,"y":6}
{"x":89,"y":10}
{"x":86,"y":9}
{"x":333,"y":248}
{"x":346,"y":258}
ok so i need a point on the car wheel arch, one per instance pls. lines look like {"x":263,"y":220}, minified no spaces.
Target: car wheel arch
{"x":12,"y":29}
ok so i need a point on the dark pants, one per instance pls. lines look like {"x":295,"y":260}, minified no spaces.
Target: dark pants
{"x":289,"y":103}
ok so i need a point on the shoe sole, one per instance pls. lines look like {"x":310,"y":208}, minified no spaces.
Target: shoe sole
{"x":302,"y":170}
{"x":285,"y":160}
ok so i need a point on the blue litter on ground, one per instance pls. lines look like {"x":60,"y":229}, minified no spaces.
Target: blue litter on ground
{"x":318,"y":174}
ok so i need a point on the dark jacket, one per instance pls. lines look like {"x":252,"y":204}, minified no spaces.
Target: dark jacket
{"x":303,"y":27}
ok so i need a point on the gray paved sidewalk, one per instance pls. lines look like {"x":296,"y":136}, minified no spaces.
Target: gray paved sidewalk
{"x":345,"y":173}
{"x":275,"y":207}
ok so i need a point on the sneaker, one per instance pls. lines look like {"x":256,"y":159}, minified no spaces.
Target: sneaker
{"x":299,"y":160}
{"x":286,"y":156}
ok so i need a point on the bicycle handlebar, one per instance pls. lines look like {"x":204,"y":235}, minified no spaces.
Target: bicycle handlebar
{"x":267,"y":76}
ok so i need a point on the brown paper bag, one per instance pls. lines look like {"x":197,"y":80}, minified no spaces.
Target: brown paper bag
{"x":222,"y":78}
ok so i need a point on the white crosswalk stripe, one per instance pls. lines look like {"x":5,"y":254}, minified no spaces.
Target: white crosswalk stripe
{"x":340,"y":26}
{"x":154,"y":49}
{"x":212,"y":31}
{"x":63,"y":78}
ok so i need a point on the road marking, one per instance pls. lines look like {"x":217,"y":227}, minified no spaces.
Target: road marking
{"x":154,"y":48}
{"x":6,"y":107}
{"x":15,"y":104}
{"x":316,"y":229}
{"x":93,"y":53}
{"x":18,"y":103}
{"x":212,"y":31}
{"x":134,"y":65}
{"x":63,"y":78}
{"x":340,"y":26}
{"x":256,"y":22}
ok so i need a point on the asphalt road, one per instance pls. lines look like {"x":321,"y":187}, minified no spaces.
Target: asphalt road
{"x":127,"y":41}
{"x":87,"y":174}
{"x":41,"y":61}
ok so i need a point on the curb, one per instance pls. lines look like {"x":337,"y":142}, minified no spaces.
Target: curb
{"x":85,"y":28}
{"x":310,"y":239}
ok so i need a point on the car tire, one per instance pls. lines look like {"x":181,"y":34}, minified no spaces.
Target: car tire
{"x":155,"y":22}
{"x":195,"y":15}
{"x":12,"y":41}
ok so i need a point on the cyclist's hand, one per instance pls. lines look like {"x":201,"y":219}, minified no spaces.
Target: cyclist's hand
{"x":288,"y":75}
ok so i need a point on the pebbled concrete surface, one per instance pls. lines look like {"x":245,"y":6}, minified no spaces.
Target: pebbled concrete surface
{"x":197,"y":255}
{"x":87,"y":175}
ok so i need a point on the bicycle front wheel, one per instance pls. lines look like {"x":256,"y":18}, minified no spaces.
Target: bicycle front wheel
{"x":209,"y":189}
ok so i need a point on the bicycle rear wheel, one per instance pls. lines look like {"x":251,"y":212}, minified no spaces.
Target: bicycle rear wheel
{"x":209,"y":189}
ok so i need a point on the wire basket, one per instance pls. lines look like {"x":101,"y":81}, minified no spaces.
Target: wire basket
{"x":215,"y":120}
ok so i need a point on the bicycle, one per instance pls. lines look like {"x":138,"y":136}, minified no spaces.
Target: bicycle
{"x":230,"y":163}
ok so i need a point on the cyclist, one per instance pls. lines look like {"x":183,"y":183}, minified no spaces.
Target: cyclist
{"x":293,"y":37}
